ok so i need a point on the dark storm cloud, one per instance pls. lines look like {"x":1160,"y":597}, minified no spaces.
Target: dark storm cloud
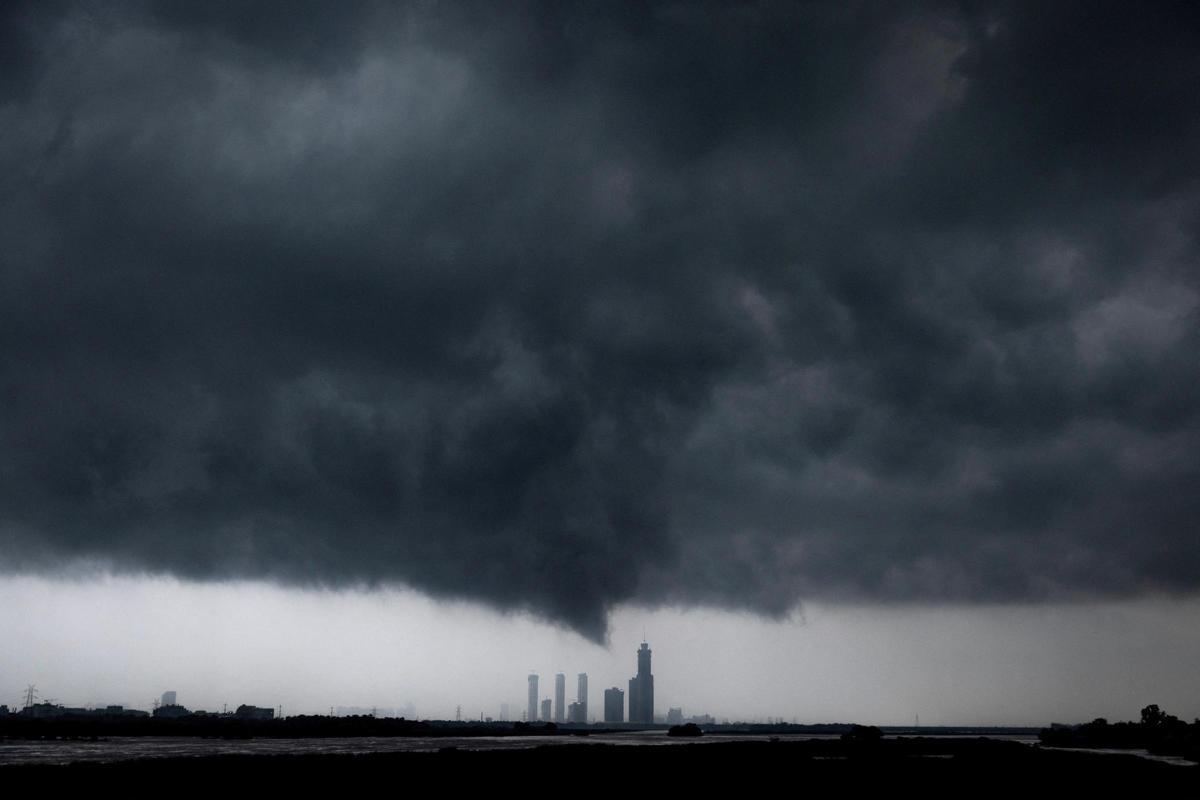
{"x":562,"y":306}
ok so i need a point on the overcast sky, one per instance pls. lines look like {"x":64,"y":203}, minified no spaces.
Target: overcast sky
{"x":577,"y":316}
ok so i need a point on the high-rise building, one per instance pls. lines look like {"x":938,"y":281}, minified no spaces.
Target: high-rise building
{"x":546,"y":710}
{"x":614,"y":705}
{"x":581,"y":697}
{"x":560,"y":696}
{"x":577,"y":714}
{"x":641,"y":689}
{"x":532,"y":714}
{"x":168,"y":699}
{"x":504,"y":712}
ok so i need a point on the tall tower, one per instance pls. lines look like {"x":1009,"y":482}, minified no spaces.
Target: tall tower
{"x":641,"y":689}
{"x":560,"y":696}
{"x":582,"y":698}
{"x":533,"y":698}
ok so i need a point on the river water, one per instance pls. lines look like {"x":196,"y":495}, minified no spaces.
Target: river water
{"x":122,"y":748}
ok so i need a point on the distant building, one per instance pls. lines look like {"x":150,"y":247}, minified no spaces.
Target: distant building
{"x":581,"y":695}
{"x":675,"y":716}
{"x":533,"y":698}
{"x":504,"y":712}
{"x":168,"y":699}
{"x":171,"y":711}
{"x":614,"y":705}
{"x":577,"y":713}
{"x":641,"y":689}
{"x":42,"y":710}
{"x":118,"y":711}
{"x":560,"y":696}
{"x":254,"y":712}
{"x":357,"y":711}
{"x":546,"y":710}
{"x":54,"y":710}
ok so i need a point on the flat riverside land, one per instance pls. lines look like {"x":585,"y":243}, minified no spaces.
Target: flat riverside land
{"x":928,"y":766}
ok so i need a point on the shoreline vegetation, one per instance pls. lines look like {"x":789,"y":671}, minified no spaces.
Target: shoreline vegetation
{"x":1157,"y":732}
{"x":98,"y":724}
{"x":1059,"y":751}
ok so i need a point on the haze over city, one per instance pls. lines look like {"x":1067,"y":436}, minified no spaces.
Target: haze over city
{"x":377,"y":355}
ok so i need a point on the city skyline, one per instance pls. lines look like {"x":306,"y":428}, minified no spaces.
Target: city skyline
{"x":1009,"y":666}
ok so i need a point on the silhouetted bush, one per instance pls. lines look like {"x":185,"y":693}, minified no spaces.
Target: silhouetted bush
{"x":687,"y":729}
{"x":1159,"y":732}
{"x":862,"y":733}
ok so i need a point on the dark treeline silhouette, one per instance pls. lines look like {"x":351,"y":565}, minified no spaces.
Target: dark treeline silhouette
{"x":1157,"y":731}
{"x":686,"y":729}
{"x":98,"y":723}
{"x":863,"y":734}
{"x":228,"y":727}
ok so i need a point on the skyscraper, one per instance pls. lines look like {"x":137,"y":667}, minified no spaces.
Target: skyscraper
{"x":546,"y":710}
{"x":581,"y":697}
{"x":560,"y":696}
{"x":533,"y":698}
{"x":641,"y":689}
{"x":614,"y":705}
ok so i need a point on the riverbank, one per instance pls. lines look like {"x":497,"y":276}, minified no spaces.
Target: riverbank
{"x":936,"y":766}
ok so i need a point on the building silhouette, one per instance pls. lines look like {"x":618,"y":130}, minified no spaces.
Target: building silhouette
{"x":254,"y":712}
{"x":546,"y":710}
{"x":581,"y":697}
{"x":168,"y":699}
{"x":171,"y":711}
{"x":560,"y":696}
{"x":641,"y":689}
{"x":532,"y":714}
{"x":614,"y":705}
